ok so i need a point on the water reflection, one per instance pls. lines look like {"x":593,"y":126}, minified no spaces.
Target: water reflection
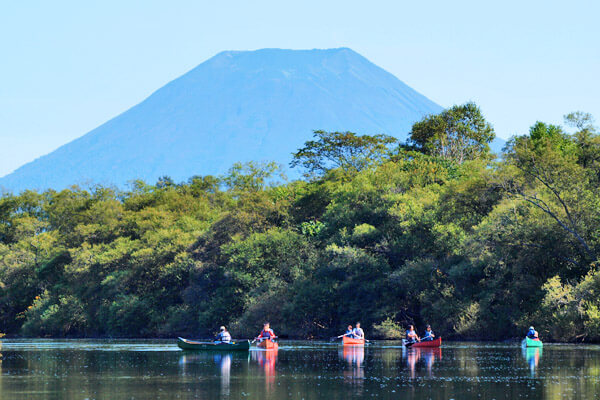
{"x":532,"y":355}
{"x":429,"y":357}
{"x":222,"y":360}
{"x":467,"y":371}
{"x":354,"y":373}
{"x":267,"y":359}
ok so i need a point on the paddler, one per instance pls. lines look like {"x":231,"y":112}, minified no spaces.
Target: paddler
{"x":532,"y":333}
{"x":358,"y":333}
{"x":223,"y":336}
{"x":349,"y":331}
{"x":411,"y":335}
{"x":266,"y":333}
{"x":429,"y":335}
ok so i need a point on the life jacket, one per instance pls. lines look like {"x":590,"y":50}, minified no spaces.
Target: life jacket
{"x":428,"y":334}
{"x":267,"y":334}
{"x":224,"y":336}
{"x":531,"y":334}
{"x":358,"y":333}
{"x":410,"y":333}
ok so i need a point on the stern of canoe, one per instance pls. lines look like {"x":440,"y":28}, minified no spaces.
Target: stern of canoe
{"x":527,"y":342}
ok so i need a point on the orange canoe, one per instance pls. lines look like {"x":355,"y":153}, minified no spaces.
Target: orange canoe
{"x":268,"y":344}
{"x":351,"y":341}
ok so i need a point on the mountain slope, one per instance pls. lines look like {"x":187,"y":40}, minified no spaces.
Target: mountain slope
{"x":237,"y":106}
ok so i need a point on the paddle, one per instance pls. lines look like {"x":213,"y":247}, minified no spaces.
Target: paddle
{"x":260,"y":339}
{"x":338,"y":337}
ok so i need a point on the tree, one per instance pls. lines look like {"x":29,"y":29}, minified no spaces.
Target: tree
{"x":459,"y":133}
{"x":548,"y":177}
{"x":346,"y":150}
{"x":252,"y":176}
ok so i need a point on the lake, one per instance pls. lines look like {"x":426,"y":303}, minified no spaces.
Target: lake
{"x":157,"y":369}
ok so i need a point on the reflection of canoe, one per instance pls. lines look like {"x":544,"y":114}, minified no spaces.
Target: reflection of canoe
{"x":424,"y":344}
{"x":356,"y":342}
{"x":532,"y":342}
{"x":186,"y":344}
{"x":268,"y":344}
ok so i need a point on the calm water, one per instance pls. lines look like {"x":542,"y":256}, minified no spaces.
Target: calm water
{"x":96,"y":369}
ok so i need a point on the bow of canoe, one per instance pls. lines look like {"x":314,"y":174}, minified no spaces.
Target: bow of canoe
{"x":268,"y":344}
{"x":186,"y":344}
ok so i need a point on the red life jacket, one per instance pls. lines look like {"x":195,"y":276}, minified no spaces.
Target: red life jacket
{"x":267,"y":334}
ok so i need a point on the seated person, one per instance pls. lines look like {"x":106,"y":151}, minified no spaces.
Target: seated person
{"x":223,"y":336}
{"x":532,"y":333}
{"x":429,"y":335}
{"x":411,"y":335}
{"x":357,"y":333}
{"x":349,"y":332}
{"x":266,"y":333}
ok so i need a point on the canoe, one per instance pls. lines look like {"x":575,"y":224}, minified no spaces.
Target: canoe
{"x":185,"y":344}
{"x":351,"y":341}
{"x":424,"y":344}
{"x":268,"y":344}
{"x":532,"y":342}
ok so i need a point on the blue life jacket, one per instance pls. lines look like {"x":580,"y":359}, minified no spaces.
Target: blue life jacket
{"x":531,"y":333}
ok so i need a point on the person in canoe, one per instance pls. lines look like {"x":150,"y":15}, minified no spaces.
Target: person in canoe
{"x":223,"y":336}
{"x":429,"y":335}
{"x":358,"y":333}
{"x":411,"y":335}
{"x":349,"y":332}
{"x":532,"y":334}
{"x":266,"y":333}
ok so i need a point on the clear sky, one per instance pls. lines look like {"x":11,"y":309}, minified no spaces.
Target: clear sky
{"x":68,"y":66}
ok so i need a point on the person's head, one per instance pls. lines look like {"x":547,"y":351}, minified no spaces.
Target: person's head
{"x":531,"y":328}
{"x":349,"y":327}
{"x":428,"y":327}
{"x":222,"y":329}
{"x":358,"y":325}
{"x":267,"y":325}
{"x":411,"y":328}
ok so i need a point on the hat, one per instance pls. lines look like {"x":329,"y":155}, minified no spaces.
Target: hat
{"x":222,"y":328}
{"x":531,"y":327}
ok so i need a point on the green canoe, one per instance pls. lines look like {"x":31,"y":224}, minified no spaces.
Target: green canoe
{"x":532,"y":343}
{"x":185,"y":344}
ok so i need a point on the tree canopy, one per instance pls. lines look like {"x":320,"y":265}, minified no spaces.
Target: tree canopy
{"x":437,"y":233}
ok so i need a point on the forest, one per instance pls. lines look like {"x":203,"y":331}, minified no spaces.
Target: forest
{"x":434,"y":230}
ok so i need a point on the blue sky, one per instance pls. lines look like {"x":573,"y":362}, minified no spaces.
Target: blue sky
{"x":68,"y":66}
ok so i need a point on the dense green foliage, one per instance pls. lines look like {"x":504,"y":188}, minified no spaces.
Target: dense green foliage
{"x":437,"y":231}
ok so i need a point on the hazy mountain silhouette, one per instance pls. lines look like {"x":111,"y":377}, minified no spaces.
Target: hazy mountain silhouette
{"x":237,"y":106}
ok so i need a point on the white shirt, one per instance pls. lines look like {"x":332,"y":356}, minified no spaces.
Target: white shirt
{"x":358,"y":333}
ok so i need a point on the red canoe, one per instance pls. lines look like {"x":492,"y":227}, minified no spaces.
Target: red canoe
{"x":268,"y":344}
{"x":350,"y":341}
{"x":427,"y":344}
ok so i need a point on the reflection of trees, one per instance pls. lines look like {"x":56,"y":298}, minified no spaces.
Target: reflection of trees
{"x":466,"y":360}
{"x":578,"y":375}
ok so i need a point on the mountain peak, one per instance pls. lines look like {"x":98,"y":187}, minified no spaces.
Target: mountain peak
{"x":236,"y":106}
